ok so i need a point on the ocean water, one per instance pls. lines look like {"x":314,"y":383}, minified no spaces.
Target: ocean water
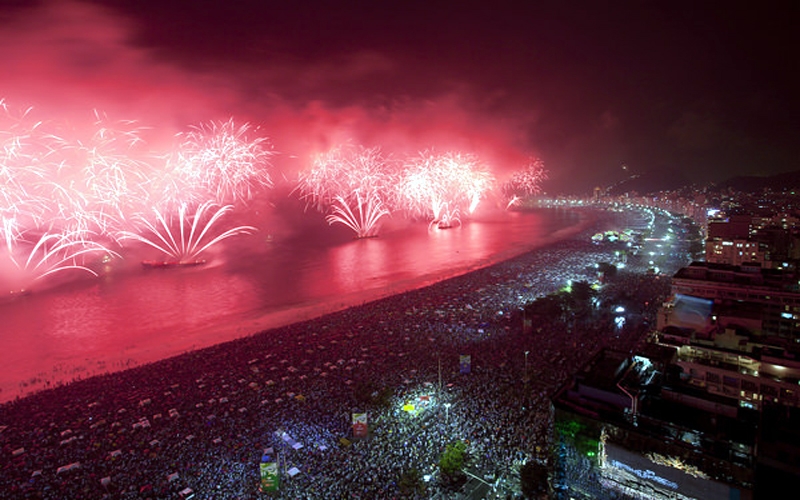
{"x":131,"y":315}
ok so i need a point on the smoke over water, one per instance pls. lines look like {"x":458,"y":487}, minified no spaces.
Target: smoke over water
{"x":68,"y":58}
{"x":122,"y":131}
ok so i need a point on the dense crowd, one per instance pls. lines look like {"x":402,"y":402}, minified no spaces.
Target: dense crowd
{"x":201,"y":422}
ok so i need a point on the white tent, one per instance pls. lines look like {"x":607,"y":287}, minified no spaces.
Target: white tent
{"x":68,"y":467}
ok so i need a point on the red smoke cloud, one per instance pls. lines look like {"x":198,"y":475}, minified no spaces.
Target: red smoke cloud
{"x":67,"y":58}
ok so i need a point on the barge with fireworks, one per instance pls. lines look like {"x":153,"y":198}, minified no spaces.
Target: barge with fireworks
{"x":166,"y":264}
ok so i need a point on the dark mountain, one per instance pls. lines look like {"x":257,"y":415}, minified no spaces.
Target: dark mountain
{"x":651,"y":181}
{"x":752,"y":183}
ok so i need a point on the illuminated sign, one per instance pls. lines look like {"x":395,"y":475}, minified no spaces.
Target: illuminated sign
{"x":269,"y":476}
{"x":360,"y":425}
{"x":644,"y":474}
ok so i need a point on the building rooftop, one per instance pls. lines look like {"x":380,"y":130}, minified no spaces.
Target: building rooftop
{"x":685,"y":416}
{"x":751,"y":274}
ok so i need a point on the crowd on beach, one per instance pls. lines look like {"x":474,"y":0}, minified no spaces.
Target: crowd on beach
{"x":200,"y":423}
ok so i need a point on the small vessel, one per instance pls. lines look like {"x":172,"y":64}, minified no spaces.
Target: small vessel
{"x":163,"y":264}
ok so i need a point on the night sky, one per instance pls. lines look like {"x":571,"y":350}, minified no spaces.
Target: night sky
{"x":704,"y":90}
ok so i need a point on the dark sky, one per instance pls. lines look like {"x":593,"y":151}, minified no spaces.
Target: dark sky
{"x":703,"y":90}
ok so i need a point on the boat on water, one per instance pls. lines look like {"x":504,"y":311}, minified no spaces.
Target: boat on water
{"x":15,"y":294}
{"x":163,"y":264}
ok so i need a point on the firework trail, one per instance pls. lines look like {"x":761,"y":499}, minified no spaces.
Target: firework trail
{"x":36,"y":257}
{"x":113,"y":167}
{"x":363,"y":219}
{"x":21,"y":166}
{"x":71,"y":185}
{"x":33,"y":241}
{"x":56,"y":253}
{"x":184,"y":236}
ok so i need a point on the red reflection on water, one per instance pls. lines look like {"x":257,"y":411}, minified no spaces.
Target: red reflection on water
{"x":140,"y":316}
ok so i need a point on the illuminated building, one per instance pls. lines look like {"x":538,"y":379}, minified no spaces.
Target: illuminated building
{"x":621,"y":427}
{"x":773,"y":293}
{"x":708,"y":407}
{"x":737,"y":252}
{"x":767,"y":241}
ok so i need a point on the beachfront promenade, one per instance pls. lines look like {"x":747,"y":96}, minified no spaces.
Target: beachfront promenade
{"x":200,"y":422}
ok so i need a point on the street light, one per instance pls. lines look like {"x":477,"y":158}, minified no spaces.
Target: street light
{"x":526,"y":363}
{"x":447,"y":412}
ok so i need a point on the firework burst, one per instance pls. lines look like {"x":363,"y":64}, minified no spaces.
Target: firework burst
{"x":353,"y":184}
{"x":525,"y":183}
{"x":441,"y":187}
{"x":220,"y":158}
{"x":65,"y":190}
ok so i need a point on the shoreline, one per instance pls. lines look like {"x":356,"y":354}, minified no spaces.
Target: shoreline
{"x":134,"y":356}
